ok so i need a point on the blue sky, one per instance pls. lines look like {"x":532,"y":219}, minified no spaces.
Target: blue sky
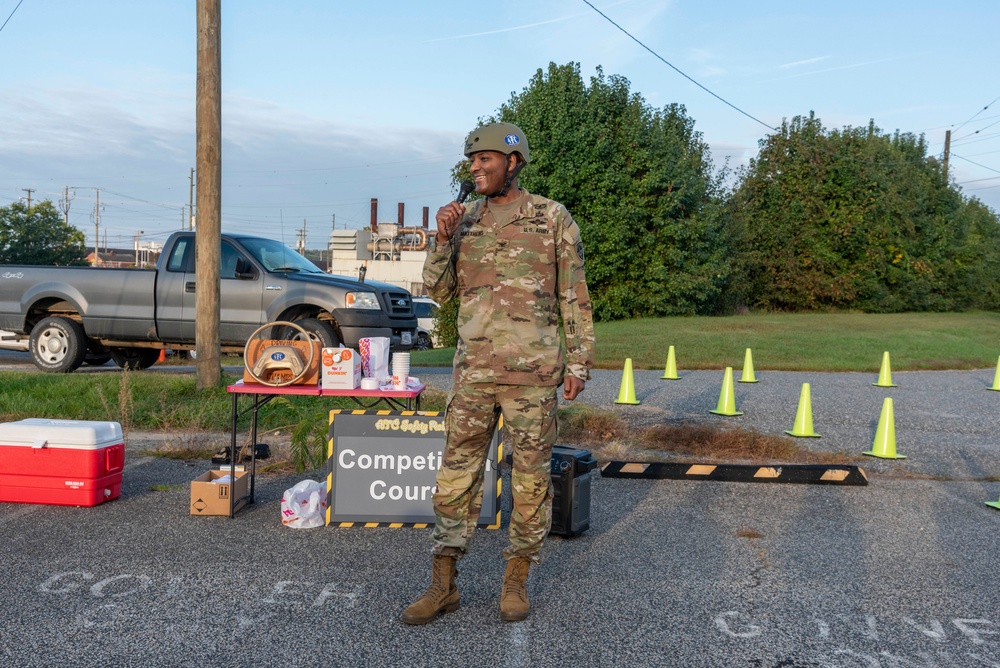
{"x":328,"y":104}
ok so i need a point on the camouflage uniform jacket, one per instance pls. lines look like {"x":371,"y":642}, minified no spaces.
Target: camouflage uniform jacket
{"x":514,"y":282}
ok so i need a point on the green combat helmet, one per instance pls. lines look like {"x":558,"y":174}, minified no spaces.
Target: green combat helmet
{"x":504,"y":138}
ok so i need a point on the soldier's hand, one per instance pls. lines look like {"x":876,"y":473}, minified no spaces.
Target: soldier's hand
{"x":448,"y":217}
{"x":572,"y":387}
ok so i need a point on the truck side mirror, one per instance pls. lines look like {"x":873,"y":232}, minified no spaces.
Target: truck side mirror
{"x":244,"y":269}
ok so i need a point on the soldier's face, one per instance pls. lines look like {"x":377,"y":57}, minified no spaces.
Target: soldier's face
{"x":488,"y":169}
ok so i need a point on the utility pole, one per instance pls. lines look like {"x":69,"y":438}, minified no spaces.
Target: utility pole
{"x":302,"y":238}
{"x":97,"y":224}
{"x":64,"y":204}
{"x":191,"y":201}
{"x":29,"y":191}
{"x":135,"y":245}
{"x":208,"y":239}
{"x":947,"y":150}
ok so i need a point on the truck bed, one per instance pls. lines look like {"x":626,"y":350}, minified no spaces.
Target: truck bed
{"x":116,"y":303}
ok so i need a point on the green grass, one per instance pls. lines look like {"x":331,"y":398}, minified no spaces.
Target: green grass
{"x":143,"y":401}
{"x":813,"y":342}
{"x":795,"y":342}
{"x":433,"y":357}
{"x":151,"y":401}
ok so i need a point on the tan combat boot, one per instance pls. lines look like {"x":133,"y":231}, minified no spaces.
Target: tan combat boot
{"x":441,"y":596}
{"x":514,"y":604}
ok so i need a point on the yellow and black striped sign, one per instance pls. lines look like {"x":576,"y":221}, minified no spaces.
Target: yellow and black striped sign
{"x":812,"y":474}
{"x":409,"y":428}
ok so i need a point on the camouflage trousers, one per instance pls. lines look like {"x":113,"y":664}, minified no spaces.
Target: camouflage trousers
{"x":529,"y":414}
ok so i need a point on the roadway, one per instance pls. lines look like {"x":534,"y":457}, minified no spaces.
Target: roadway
{"x":671,"y":573}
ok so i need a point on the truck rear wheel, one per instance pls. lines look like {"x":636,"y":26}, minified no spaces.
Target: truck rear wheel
{"x":135,"y":358}
{"x":57,"y":344}
{"x":96,"y":359}
{"x":97,"y":355}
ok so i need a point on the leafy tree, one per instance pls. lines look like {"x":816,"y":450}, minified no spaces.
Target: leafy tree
{"x":857,"y":218}
{"x":639,"y":183}
{"x":38,"y":236}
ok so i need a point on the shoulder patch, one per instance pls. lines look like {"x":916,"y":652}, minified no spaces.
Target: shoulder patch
{"x":579,"y":250}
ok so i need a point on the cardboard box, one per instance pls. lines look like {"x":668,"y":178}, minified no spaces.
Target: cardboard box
{"x":212,"y":498}
{"x":279,"y":354}
{"x":341,"y":369}
{"x":61,"y":462}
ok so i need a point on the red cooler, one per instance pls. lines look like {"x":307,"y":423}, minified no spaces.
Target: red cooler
{"x":61,"y":462}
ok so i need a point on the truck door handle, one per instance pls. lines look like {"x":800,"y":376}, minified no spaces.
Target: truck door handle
{"x":189,"y":287}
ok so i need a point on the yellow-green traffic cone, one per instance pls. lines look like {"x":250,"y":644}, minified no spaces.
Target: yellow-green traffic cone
{"x":995,"y":504}
{"x":885,"y":373}
{"x":626,"y":394}
{"x":885,"y":434}
{"x":670,"y":372}
{"x":727,"y":397}
{"x":803,"y":416}
{"x":996,"y":379}
{"x":747,"y":375}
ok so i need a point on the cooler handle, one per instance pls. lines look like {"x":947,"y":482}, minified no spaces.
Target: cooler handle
{"x":114,"y":454}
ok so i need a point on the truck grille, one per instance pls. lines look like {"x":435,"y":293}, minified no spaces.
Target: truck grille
{"x":398,"y":304}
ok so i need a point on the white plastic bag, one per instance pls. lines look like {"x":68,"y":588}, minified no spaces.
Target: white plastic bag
{"x":375,"y":357}
{"x":303,"y":506}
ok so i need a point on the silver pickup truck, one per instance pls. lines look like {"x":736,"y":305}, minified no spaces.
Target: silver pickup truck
{"x":69,"y":314}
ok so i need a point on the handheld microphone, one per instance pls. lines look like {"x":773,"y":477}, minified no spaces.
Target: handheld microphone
{"x":464,"y":190}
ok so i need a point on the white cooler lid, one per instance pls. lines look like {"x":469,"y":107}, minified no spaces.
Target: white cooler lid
{"x":43,"y":432}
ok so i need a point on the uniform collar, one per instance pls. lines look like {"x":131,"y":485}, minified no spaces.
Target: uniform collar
{"x":525,"y":209}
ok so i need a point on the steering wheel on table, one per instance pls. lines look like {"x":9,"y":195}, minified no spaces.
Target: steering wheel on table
{"x":278,"y":357}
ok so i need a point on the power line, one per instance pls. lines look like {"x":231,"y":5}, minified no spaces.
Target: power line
{"x":973,"y":115}
{"x":975,"y":163}
{"x":341,"y":168}
{"x":988,"y":178}
{"x":977,"y":131}
{"x":11,"y":14}
{"x":983,"y":188}
{"x":144,"y":201}
{"x":945,"y":127}
{"x":663,"y":60}
{"x":972,"y":155}
{"x":966,"y":141}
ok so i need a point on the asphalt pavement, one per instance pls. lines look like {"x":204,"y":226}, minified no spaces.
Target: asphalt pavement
{"x":670,"y":573}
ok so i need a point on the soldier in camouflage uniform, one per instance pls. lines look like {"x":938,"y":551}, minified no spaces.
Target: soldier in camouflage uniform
{"x":515,"y":262}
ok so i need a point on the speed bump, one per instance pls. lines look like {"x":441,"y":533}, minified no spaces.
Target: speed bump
{"x":810,"y":474}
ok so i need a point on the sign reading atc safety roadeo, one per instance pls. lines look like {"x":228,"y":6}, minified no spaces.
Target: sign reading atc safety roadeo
{"x":381,"y":469}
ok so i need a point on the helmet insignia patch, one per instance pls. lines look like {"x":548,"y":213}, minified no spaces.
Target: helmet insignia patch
{"x":512,"y":140}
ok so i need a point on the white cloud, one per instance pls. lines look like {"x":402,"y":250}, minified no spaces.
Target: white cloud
{"x":799,"y":63}
{"x":834,"y":69}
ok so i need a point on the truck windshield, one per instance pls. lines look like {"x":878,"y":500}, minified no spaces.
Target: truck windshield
{"x":277,"y":257}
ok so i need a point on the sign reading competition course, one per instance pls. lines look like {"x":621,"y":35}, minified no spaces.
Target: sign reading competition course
{"x":382,"y":466}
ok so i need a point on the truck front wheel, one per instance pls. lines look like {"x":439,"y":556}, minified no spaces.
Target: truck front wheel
{"x":317,"y":331}
{"x":57,"y":344}
{"x":135,"y":358}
